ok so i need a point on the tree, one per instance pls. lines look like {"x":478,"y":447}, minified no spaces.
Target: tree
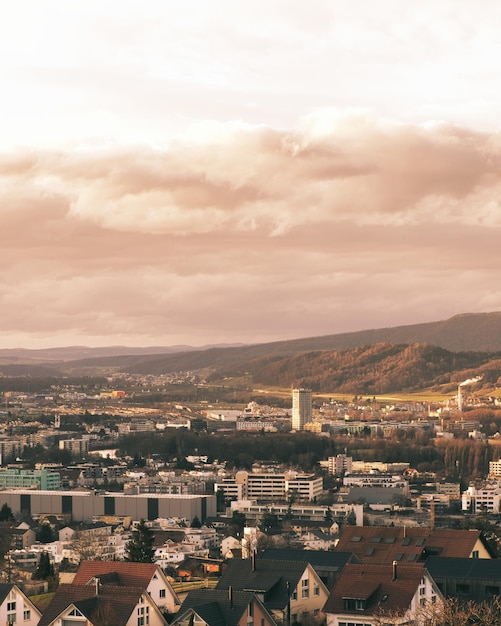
{"x":196,"y":523}
{"x":237,"y":524}
{"x":6,"y":514}
{"x":140,"y":547}
{"x":45,"y":569}
{"x":351,"y":518}
{"x":45,"y":534}
{"x":270,"y":524}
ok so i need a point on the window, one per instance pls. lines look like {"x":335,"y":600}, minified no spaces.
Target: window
{"x":316,"y":591}
{"x":433,"y":599}
{"x":11,"y":618}
{"x":492,"y":590}
{"x":294,"y":595}
{"x":162,"y":593}
{"x":474,"y":554}
{"x":11,"y":606}
{"x":356,"y":604}
{"x":27,"y":615}
{"x":422,"y":591}
{"x":305,"y":593}
{"x":462,"y":588}
{"x":305,"y":582}
{"x":422,"y":602}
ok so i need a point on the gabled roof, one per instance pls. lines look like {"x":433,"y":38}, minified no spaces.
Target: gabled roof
{"x":218,"y":607}
{"x":113,"y":605}
{"x":467,"y":569}
{"x":275,"y":580}
{"x":385,"y":544}
{"x":5,"y":589}
{"x":122,"y":573}
{"x":377,"y":587}
{"x":320,"y":560}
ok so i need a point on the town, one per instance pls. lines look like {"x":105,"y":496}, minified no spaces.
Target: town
{"x":272,"y":511}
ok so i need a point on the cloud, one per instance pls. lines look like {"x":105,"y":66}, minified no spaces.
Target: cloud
{"x":346,"y":222}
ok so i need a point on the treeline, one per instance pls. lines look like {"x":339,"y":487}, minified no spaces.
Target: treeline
{"x":239,"y":450}
{"x":374,"y":369}
{"x":458,"y":460}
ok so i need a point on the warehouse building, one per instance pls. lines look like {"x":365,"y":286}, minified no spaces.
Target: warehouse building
{"x":81,"y":506}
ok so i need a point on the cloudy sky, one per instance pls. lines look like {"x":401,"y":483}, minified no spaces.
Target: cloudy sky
{"x":207,"y":171}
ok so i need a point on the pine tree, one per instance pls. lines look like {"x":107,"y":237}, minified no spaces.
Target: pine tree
{"x":140,"y":548}
{"x":44,"y":569}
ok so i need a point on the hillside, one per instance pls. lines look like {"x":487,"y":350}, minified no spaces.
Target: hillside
{"x":462,"y":342}
{"x":374,"y":369}
{"x":476,"y":332}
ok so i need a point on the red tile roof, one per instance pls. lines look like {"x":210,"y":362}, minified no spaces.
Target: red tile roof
{"x":113,"y":605}
{"x":118,"y":572}
{"x":377,"y":587}
{"x":385,"y":544}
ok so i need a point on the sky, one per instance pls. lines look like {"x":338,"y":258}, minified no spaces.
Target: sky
{"x":225,"y":171}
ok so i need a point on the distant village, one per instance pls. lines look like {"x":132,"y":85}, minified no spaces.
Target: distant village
{"x":94,"y":535}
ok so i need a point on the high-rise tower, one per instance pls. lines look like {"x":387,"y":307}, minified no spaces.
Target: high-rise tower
{"x":301,"y":408}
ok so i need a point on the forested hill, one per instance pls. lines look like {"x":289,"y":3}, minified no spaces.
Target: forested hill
{"x":374,"y":369}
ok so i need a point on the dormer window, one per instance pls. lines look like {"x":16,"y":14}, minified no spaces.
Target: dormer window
{"x":354,"y":604}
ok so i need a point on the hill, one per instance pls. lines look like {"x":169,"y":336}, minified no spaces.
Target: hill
{"x":476,"y":332}
{"x":375,"y":369}
{"x":367,"y":361}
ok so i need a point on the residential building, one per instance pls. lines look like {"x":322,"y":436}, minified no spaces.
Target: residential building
{"x":482,"y":497}
{"x":385,"y":544}
{"x":271,"y":486}
{"x":101,"y":605}
{"x":16,"y":607}
{"x":339,"y":464}
{"x":377,"y":480}
{"x":367,"y":595}
{"x":307,"y":512}
{"x":476,"y":580}
{"x":328,"y":565}
{"x":301,"y":408}
{"x":495,"y":468}
{"x":123,"y":574}
{"x":77,"y":447}
{"x":28,"y":479}
{"x":288,"y":589}
{"x":212,"y":607}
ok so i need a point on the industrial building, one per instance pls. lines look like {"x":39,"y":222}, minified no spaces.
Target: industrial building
{"x":82,"y":506}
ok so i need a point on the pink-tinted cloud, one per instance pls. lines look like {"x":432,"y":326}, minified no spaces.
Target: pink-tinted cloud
{"x":250,"y":233}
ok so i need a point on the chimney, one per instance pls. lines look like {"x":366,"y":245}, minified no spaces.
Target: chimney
{"x":253,"y":561}
{"x":405,"y":531}
{"x":230,"y":596}
{"x":394,"y":570}
{"x":97,"y":582}
{"x":432,"y":513}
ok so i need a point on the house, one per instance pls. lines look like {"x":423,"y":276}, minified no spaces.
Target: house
{"x":212,"y":607}
{"x":147,"y":576}
{"x":396,"y":594}
{"x":101,"y":605}
{"x":385,"y":544}
{"x":328,"y":565}
{"x":288,"y":589}
{"x":228,"y":544}
{"x":15,"y":607}
{"x":22,"y":537}
{"x":477,"y":580}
